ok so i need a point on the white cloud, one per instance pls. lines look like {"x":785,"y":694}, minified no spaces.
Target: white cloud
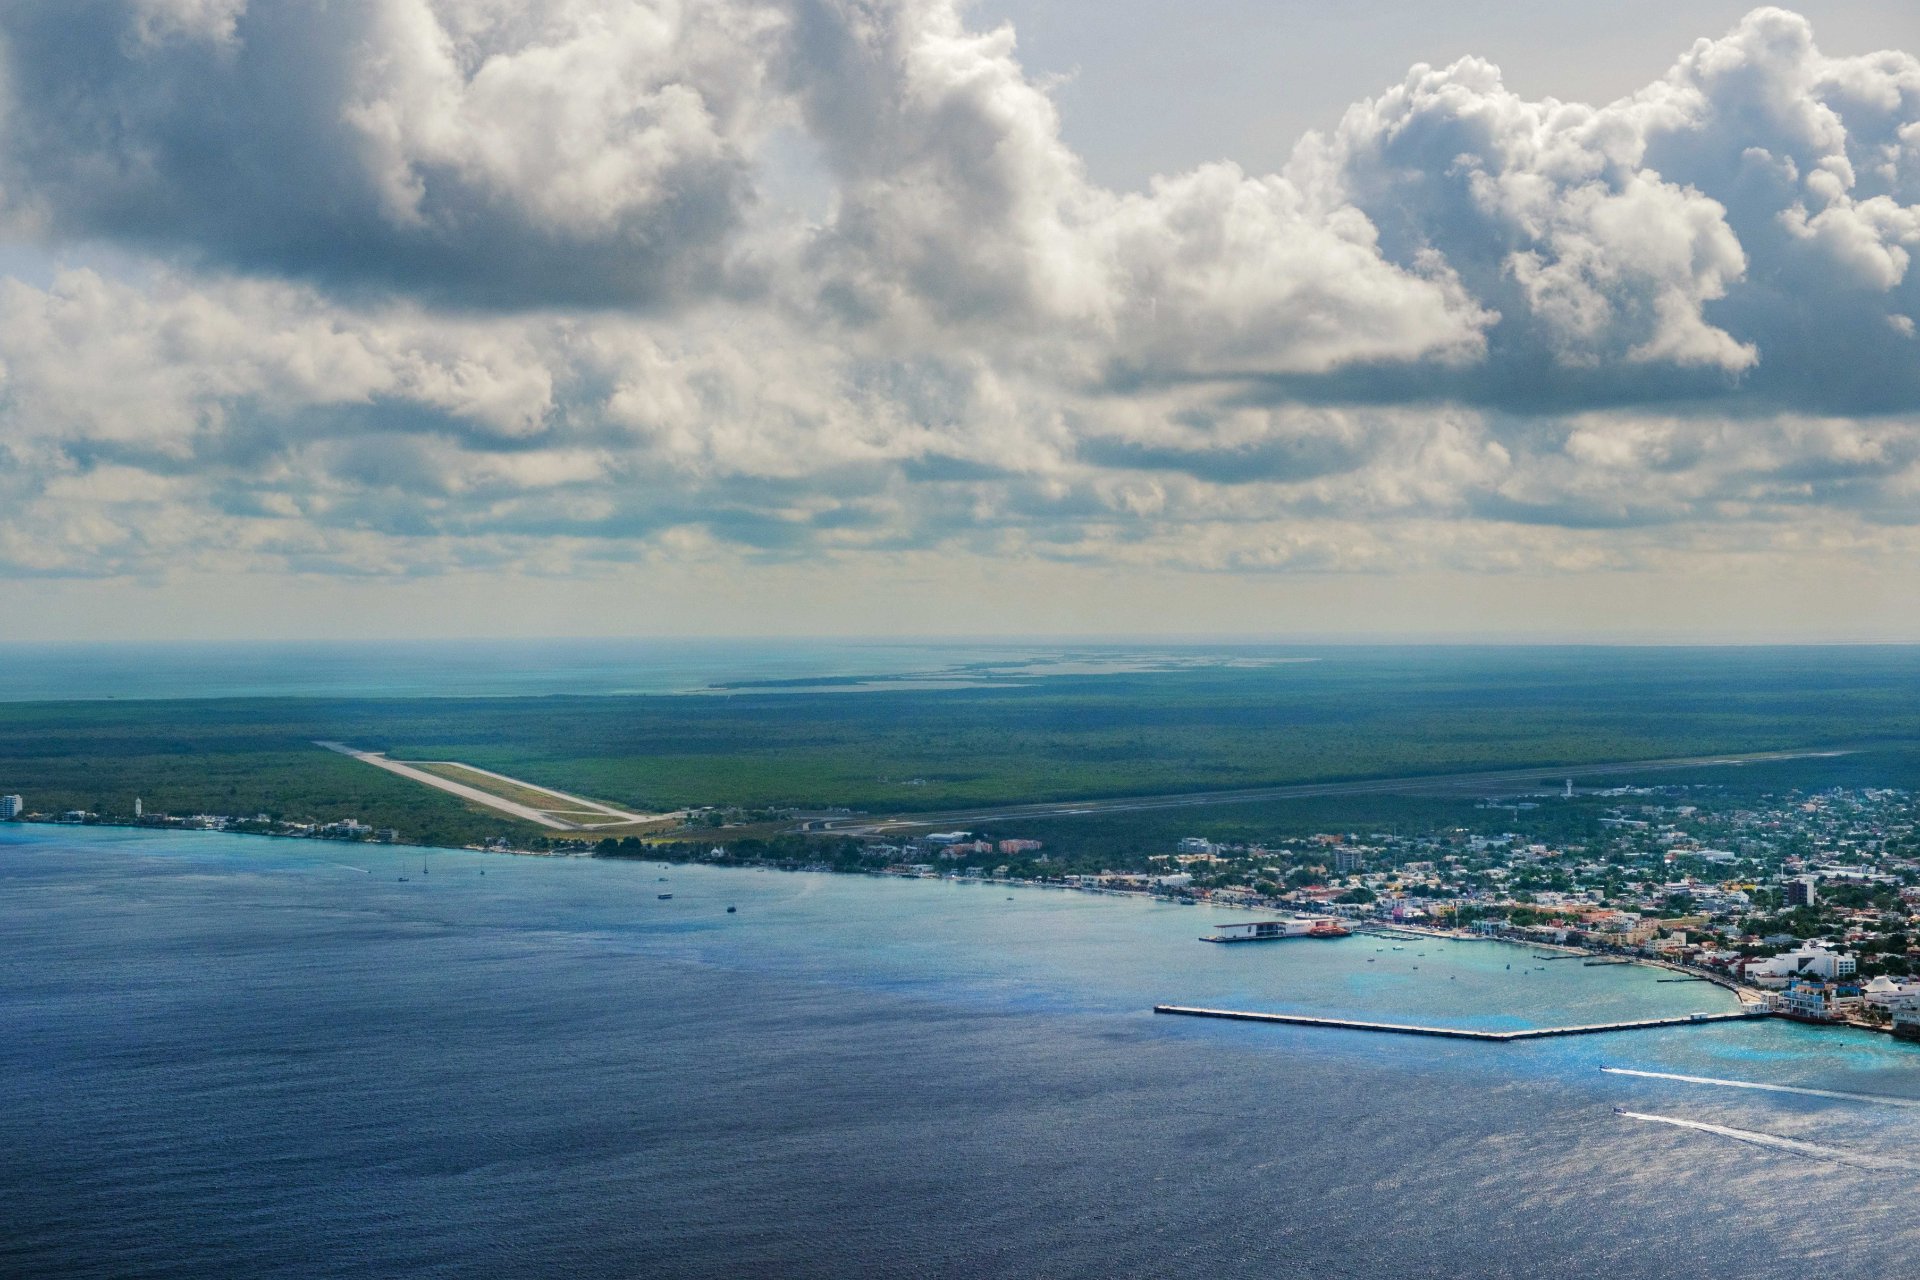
{"x":495,"y":283}
{"x":583,"y":116}
{"x":211,"y":20}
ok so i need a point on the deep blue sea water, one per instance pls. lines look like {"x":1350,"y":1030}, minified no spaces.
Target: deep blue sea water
{"x":226,"y":1056}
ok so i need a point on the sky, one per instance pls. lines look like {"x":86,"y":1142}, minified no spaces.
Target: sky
{"x":1486,"y":320}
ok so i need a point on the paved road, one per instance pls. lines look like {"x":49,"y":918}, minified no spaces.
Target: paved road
{"x":474,"y":794}
{"x":867,"y":824}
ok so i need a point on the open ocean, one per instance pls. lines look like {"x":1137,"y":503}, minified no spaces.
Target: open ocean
{"x":230,"y":1056}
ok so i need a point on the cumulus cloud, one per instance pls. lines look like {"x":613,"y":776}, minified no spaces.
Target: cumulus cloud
{"x":156,"y":20}
{"x":469,"y":151}
{"x":420,"y":285}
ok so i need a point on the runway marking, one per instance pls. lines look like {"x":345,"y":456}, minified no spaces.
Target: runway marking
{"x":1881,"y":1099}
{"x":1811,"y":1150}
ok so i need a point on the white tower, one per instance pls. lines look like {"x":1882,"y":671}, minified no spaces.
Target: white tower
{"x":1569,"y":792}
{"x":136,"y":806}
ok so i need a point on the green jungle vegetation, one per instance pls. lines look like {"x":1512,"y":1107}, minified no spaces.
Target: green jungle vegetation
{"x":1352,"y":713}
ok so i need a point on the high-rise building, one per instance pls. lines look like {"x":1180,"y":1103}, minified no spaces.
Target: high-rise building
{"x":11,"y":807}
{"x":1801,"y":892}
{"x":1346,"y":860}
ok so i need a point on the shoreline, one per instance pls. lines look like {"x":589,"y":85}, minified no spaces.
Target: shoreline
{"x":1748,"y":997}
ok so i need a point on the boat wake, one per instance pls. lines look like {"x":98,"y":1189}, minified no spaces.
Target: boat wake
{"x":1810,"y":1150}
{"x":1881,"y":1099}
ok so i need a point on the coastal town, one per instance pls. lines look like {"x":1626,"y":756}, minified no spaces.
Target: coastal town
{"x":14,"y":808}
{"x":1804,"y":903}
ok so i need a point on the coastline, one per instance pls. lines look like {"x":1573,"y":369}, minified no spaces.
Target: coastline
{"x":1748,"y":996}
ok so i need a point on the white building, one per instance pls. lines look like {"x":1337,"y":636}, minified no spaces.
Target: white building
{"x":1810,"y":959}
{"x":11,"y":807}
{"x":1890,"y":993}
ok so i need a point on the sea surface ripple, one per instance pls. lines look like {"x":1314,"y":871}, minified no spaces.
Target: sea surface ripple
{"x":223,"y":1055}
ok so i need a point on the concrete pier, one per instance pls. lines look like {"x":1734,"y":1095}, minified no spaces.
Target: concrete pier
{"x":1457,"y":1033}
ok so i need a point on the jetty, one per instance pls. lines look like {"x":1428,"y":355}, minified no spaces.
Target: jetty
{"x":1460,"y":1033}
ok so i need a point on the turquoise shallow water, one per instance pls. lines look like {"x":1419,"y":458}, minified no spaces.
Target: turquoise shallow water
{"x":225,"y":1055}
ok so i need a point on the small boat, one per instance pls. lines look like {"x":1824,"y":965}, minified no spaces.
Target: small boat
{"x":402,"y":879}
{"x":665,"y":896}
{"x":731,"y":910}
{"x":1369,"y":959}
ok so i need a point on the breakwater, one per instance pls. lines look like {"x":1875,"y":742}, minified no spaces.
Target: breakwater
{"x":1457,"y":1033}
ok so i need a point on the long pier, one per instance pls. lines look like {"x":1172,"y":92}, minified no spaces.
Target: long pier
{"x":1457,"y":1033}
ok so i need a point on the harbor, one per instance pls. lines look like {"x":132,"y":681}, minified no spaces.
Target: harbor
{"x":1279,"y":930}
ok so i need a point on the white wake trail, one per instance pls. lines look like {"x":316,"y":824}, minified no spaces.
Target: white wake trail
{"x":1880,"y":1099}
{"x":1811,"y":1150}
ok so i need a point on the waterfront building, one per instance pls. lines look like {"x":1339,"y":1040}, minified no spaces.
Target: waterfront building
{"x":1275,"y":930}
{"x":1816,"y":1001}
{"x":11,"y":807}
{"x":1812,"y":960}
{"x":1889,"y":993}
